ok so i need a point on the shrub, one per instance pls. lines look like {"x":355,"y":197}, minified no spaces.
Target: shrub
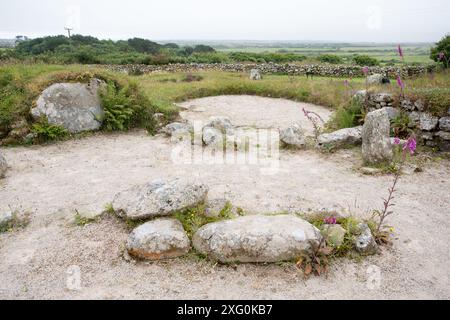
{"x":402,"y":126}
{"x":118,"y":111}
{"x":365,"y":60}
{"x":347,"y":117}
{"x":330,"y":58}
{"x":443,"y":46}
{"x":203,"y":49}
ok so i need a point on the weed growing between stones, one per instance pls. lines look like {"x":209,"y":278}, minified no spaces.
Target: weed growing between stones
{"x":382,"y":232}
{"x":82,"y":220}
{"x":195,"y":218}
{"x":15,"y":222}
{"x":322,"y":255}
{"x":316,"y":121}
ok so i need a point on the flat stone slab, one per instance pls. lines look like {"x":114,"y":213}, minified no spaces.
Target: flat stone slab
{"x":258,"y":238}
{"x":346,"y":136}
{"x":158,"y":198}
{"x":158,"y":239}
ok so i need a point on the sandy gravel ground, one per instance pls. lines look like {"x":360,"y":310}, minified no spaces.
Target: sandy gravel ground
{"x":52,"y":182}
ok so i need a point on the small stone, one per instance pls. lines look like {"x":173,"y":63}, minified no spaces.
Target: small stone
{"x":427,"y":122}
{"x":407,"y":105}
{"x":3,"y":166}
{"x":375,"y":79}
{"x":443,"y":135}
{"x":215,"y":207}
{"x":160,"y":119}
{"x":370,"y":171}
{"x":223,"y":124}
{"x":177,"y":128}
{"x":158,"y":239}
{"x":414,"y":117}
{"x":213,"y":137}
{"x":382,"y":97}
{"x":444,"y":123}
{"x":293,"y":136}
{"x":427,"y":136}
{"x":419,"y":105}
{"x":365,"y":243}
{"x":255,"y":74}
{"x":5,"y":219}
{"x":334,"y":233}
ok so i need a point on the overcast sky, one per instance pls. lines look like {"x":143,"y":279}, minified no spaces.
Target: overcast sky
{"x":335,"y":20}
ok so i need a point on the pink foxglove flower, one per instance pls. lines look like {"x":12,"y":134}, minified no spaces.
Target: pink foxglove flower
{"x":400,"y":82}
{"x":396,"y":141}
{"x":330,"y":220}
{"x":400,"y":51}
{"x":441,"y":56}
{"x":410,"y":145}
{"x":365,"y":70}
{"x":346,"y":83}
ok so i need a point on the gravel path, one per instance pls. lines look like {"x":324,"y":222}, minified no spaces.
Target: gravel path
{"x":52,"y":182}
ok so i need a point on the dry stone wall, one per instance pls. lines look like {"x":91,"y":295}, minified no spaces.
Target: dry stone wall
{"x":289,"y":69}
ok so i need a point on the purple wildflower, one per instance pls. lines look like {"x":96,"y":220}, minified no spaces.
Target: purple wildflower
{"x":346,"y":83}
{"x":396,"y":141}
{"x":330,"y":220}
{"x":365,"y":70}
{"x":441,"y":56}
{"x":400,"y":82}
{"x":410,"y":145}
{"x":400,"y":51}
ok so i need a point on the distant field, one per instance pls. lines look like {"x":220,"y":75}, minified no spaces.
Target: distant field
{"x":418,"y":53}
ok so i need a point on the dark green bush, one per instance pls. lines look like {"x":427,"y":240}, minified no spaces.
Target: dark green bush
{"x":330,"y":58}
{"x":365,"y":60}
{"x":444,"y":47}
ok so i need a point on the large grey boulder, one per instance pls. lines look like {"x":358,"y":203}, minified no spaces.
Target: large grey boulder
{"x":158,"y":198}
{"x":293,"y":136}
{"x":158,"y":239}
{"x":444,"y":123}
{"x":255,"y":74}
{"x":347,"y":136}
{"x":73,"y":106}
{"x":257,"y":238}
{"x":3,"y":166}
{"x":428,"y":122}
{"x":376,"y":142}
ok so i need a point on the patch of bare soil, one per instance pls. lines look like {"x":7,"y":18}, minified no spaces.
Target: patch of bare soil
{"x":52,"y":182}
